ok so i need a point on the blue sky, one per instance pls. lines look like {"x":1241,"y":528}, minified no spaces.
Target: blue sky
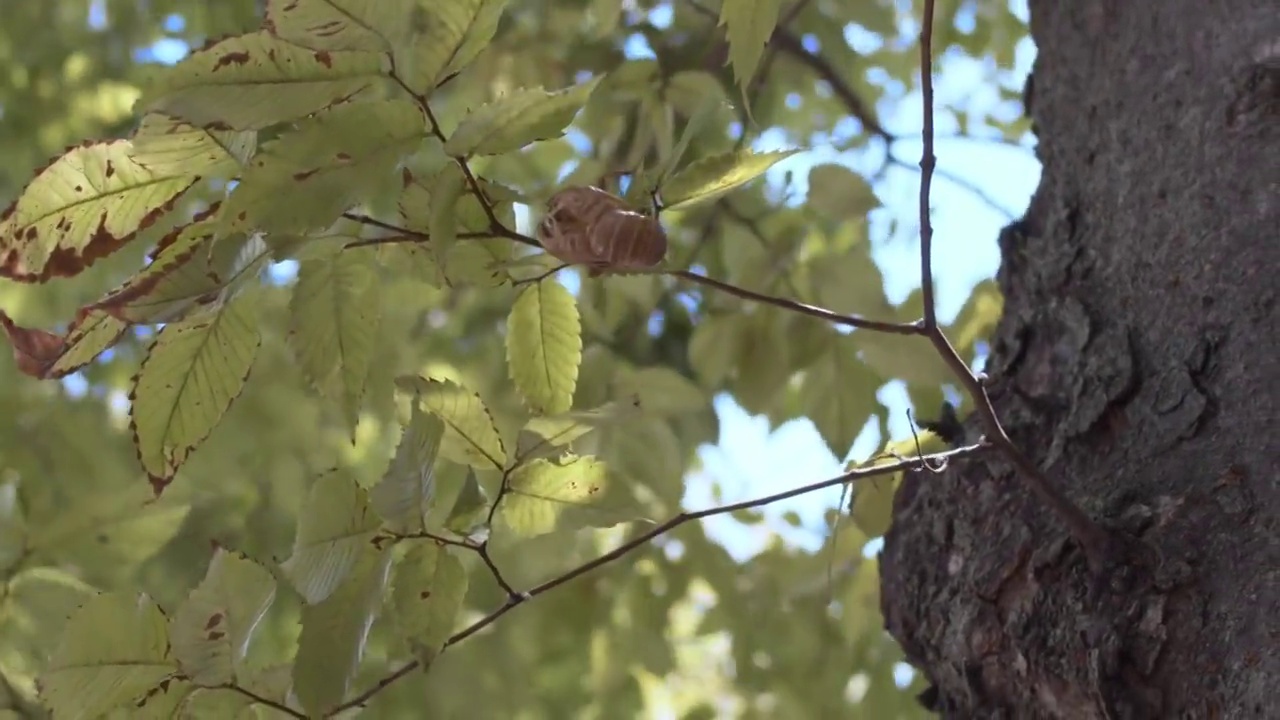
{"x":749,"y":461}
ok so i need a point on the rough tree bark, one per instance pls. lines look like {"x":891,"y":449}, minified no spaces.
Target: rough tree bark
{"x":1136,"y":363}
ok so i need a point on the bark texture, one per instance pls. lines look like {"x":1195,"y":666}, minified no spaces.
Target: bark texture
{"x":1136,"y":363}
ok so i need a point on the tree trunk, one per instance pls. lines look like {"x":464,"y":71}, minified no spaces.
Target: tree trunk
{"x":1136,"y":363}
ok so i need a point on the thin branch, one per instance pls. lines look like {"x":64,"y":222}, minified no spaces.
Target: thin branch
{"x":483,"y":551}
{"x":268,"y":702}
{"x":374,"y":222}
{"x":927,"y":163}
{"x":1092,"y":538}
{"x":926,"y":462}
{"x":799,"y":307}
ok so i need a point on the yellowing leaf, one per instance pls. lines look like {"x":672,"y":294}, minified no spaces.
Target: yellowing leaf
{"x":212,"y":628}
{"x":114,"y":648}
{"x":748,"y":26}
{"x":470,"y":437}
{"x":447,"y":37}
{"x":336,"y":525}
{"x":517,"y":119}
{"x":335,"y":631}
{"x":711,"y":177}
{"x":839,"y":395}
{"x":248,"y":82}
{"x":191,"y":375}
{"x":427,"y":594}
{"x":333,"y":324}
{"x":542,"y":493}
{"x":544,"y":346}
{"x":167,"y":145}
{"x":177,"y":276}
{"x":872,"y":508}
{"x":85,"y":205}
{"x":308,"y":177}
{"x":342,"y":24}
{"x":407,"y":490}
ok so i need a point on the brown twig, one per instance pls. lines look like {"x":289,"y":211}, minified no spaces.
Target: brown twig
{"x":268,"y":702}
{"x":926,"y":462}
{"x":1092,"y":538}
{"x":799,"y":307}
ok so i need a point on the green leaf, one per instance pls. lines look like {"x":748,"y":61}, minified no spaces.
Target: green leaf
{"x":191,"y":375}
{"x":470,"y":508}
{"x":470,"y":436}
{"x":758,"y":383}
{"x":212,"y":628}
{"x":85,"y":205}
{"x":308,"y":177}
{"x":446,"y":189}
{"x":851,"y":283}
{"x":839,"y":193}
{"x":253,"y":81}
{"x":110,"y":531}
{"x":748,"y":26}
{"x":544,"y":494}
{"x":711,"y":177}
{"x":517,"y":119}
{"x":559,"y":430}
{"x":13,"y":527}
{"x":113,"y":649}
{"x":905,"y":357}
{"x":407,"y":490}
{"x":335,"y":632}
{"x":168,"y":146}
{"x":713,"y":348}
{"x":373,"y":25}
{"x":335,"y":526}
{"x":839,"y":396}
{"x":448,"y":37}
{"x":333,"y":325}
{"x":427,"y":595}
{"x":663,"y":391}
{"x":544,"y":346}
{"x":33,"y":614}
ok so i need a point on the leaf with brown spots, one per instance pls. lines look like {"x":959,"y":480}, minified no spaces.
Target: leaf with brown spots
{"x":45,"y":355}
{"x":165,"y":145}
{"x":426,"y":596}
{"x":253,"y":81}
{"x":309,"y":176}
{"x":85,"y":205}
{"x":447,"y":37}
{"x":544,"y":496}
{"x":376,"y":25}
{"x":212,"y":628}
{"x":191,"y":375}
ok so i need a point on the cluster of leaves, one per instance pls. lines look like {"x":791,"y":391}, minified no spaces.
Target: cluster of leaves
{"x":366,"y":142}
